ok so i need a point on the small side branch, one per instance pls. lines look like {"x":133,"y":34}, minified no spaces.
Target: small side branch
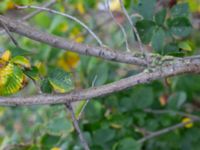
{"x":135,"y":31}
{"x":171,"y":112}
{"x":9,"y":34}
{"x":67,"y":16}
{"x":76,"y":126}
{"x":120,"y":26}
{"x":84,"y":106}
{"x":46,"y":5}
{"x":164,"y":131}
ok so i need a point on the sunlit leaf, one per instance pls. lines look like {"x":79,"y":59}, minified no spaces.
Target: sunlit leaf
{"x":68,"y":61}
{"x":185,"y":46}
{"x":188,"y":122}
{"x":6,"y":55}
{"x":22,"y":61}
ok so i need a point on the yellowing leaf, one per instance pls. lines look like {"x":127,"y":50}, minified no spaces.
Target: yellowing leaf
{"x":68,"y":61}
{"x":11,"y":79}
{"x":5,"y":71}
{"x":22,"y":61}
{"x":60,"y":80}
{"x":10,"y":5}
{"x":42,"y":68}
{"x":79,"y":6}
{"x":55,"y":148}
{"x":6,"y":55}
{"x":188,"y":122}
{"x":63,"y":27}
{"x":11,"y":76}
{"x":76,"y":35}
{"x":115,"y":5}
{"x":115,"y":126}
{"x":185,"y":46}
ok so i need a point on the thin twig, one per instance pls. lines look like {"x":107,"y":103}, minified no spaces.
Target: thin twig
{"x":9,"y":34}
{"x":171,"y":112}
{"x":76,"y":126}
{"x":120,"y":26}
{"x":166,"y":130}
{"x":134,"y":30}
{"x":67,"y":16}
{"x":87,"y":101}
{"x":46,"y":5}
{"x":32,"y":14}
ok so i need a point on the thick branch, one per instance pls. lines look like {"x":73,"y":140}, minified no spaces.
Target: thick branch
{"x":179,"y":66}
{"x":58,"y":42}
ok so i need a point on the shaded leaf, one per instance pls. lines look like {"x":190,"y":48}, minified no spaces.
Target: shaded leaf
{"x":145,"y":29}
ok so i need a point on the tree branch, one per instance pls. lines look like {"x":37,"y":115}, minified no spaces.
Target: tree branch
{"x":58,"y":42}
{"x":178,"y":66}
{"x":76,"y":126}
{"x":166,"y":130}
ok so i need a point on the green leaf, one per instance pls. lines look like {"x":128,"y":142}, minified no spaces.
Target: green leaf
{"x":33,"y":73}
{"x":189,"y":84}
{"x":176,"y":100}
{"x":59,"y":126}
{"x":160,"y":16}
{"x":17,"y":51}
{"x":142,"y":97}
{"x":158,"y":39}
{"x":180,"y":27}
{"x":146,"y":8}
{"x":128,"y":144}
{"x":39,"y":19}
{"x":21,"y":60}
{"x":60,"y":80}
{"x":48,"y":141}
{"x":172,"y":49}
{"x":101,"y":136}
{"x":46,"y":86}
{"x":180,"y":10}
{"x":145,"y":29}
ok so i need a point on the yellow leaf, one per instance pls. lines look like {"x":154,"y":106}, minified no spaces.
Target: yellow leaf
{"x":41,"y":67}
{"x":115,"y":5}
{"x":68,"y":61}
{"x":55,"y":148}
{"x":5,"y":71}
{"x":188,"y":122}
{"x":76,"y":35}
{"x":10,"y":5}
{"x":6,"y":55}
{"x":79,"y":6}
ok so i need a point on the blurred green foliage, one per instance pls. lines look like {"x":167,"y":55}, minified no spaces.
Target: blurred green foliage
{"x":117,"y":121}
